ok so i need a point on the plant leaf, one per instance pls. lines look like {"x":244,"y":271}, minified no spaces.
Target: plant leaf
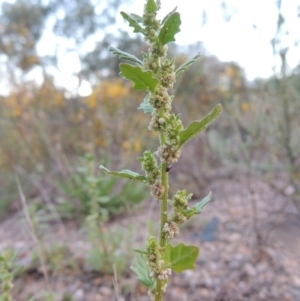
{"x":199,"y":206}
{"x":145,"y":106}
{"x":170,"y":28}
{"x":197,"y":209}
{"x":142,"y":271}
{"x":186,"y":65}
{"x":151,"y":6}
{"x":125,"y":56}
{"x":168,"y":15}
{"x":143,"y":80}
{"x":181,"y":257}
{"x":132,"y":22}
{"x":138,"y":18}
{"x":197,"y":127}
{"x":104,"y":199}
{"x":125,"y":173}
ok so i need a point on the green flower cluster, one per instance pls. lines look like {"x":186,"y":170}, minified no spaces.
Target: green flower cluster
{"x":7,"y":259}
{"x":149,"y":165}
{"x":156,"y":263}
{"x":178,"y":215}
{"x":163,"y":69}
{"x":169,"y":152}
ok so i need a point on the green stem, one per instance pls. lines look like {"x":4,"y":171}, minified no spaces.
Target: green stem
{"x":164,"y":205}
{"x":163,"y":216}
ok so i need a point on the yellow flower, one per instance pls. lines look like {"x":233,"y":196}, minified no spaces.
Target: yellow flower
{"x":245,"y":106}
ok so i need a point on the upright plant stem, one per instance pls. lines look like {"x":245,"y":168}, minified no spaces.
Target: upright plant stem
{"x":164,"y":205}
{"x":163,"y":216}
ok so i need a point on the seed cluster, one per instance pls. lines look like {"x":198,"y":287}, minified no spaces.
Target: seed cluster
{"x":155,"y":261}
{"x":163,"y":69}
{"x":177,"y":217}
{"x":149,"y":165}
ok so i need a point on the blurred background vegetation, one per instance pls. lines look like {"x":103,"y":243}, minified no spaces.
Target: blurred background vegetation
{"x":46,"y":130}
{"x":53,"y":138}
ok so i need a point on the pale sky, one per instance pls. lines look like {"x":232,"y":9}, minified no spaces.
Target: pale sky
{"x":236,"y":40}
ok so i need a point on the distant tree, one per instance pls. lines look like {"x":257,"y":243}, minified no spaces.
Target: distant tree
{"x":24,"y":22}
{"x":21,"y":28}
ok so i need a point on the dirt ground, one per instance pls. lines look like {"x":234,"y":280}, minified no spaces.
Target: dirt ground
{"x":248,"y":235}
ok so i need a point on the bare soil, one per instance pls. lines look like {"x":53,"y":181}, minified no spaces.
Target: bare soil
{"x":249,"y":238}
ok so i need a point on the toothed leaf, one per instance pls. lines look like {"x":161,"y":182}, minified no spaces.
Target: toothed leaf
{"x":132,"y":22}
{"x":181,"y":257}
{"x":142,"y":271}
{"x":170,"y":28}
{"x":143,"y":80}
{"x":168,"y":15}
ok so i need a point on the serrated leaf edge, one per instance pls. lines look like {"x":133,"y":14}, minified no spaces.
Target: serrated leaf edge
{"x":164,"y":41}
{"x":132,"y":22}
{"x":141,"y":80}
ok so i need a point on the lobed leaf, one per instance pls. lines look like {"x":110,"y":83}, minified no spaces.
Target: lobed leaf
{"x":132,"y":22}
{"x":170,"y":28}
{"x":145,"y":106}
{"x":186,"y":65}
{"x":181,"y":257}
{"x":125,"y":56}
{"x":125,"y":173}
{"x":143,"y":80}
{"x":197,"y":127}
{"x":142,"y":271}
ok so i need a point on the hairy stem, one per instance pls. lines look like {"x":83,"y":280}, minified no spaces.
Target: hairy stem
{"x":163,"y":216}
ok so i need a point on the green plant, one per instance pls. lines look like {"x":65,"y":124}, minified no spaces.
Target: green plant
{"x":57,"y":257}
{"x":100,"y":198}
{"x":263,"y":140}
{"x":7,"y":273}
{"x":105,"y":249}
{"x":155,"y":73}
{"x":99,"y":193}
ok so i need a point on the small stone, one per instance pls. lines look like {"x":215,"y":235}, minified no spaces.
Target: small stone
{"x":79,"y":295}
{"x":296,"y":281}
{"x":97,"y":281}
{"x":234,"y":237}
{"x":105,"y":291}
{"x":290,"y":190}
{"x":250,"y":270}
{"x":99,"y":297}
